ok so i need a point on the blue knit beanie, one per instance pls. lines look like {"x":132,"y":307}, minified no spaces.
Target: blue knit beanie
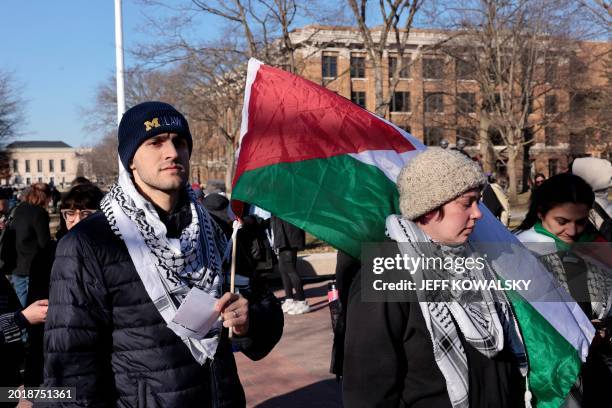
{"x":147,"y":120}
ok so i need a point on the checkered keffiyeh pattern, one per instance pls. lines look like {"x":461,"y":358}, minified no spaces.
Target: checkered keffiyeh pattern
{"x":483,"y":318}
{"x":169,"y":268}
{"x":599,"y":283}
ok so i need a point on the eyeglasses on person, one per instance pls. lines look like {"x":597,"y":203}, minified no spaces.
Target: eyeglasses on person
{"x":71,"y":215}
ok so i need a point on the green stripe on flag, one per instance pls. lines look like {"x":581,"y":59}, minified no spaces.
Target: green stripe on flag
{"x":338,"y":199}
{"x":554,"y":364}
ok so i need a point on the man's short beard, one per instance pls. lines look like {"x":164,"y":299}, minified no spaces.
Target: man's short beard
{"x":168,"y":187}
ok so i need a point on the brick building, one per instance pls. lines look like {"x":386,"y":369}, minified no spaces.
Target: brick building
{"x":435,"y":99}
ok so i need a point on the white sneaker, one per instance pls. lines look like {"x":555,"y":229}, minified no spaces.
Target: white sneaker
{"x":299,"y":307}
{"x":287,"y":305}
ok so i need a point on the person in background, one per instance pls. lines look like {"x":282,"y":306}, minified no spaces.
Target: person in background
{"x":538,"y":180}
{"x":598,"y":173}
{"x":79,"y":180}
{"x":30,"y":228}
{"x":14,"y":320}
{"x":347,"y":267}
{"x":288,"y":240}
{"x":558,"y":220}
{"x":432,"y":351}
{"x":493,"y":192}
{"x":80,"y":202}
{"x":56,"y":196}
{"x":4,"y":211}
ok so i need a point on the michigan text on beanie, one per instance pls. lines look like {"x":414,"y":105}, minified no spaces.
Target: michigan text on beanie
{"x":147,"y":120}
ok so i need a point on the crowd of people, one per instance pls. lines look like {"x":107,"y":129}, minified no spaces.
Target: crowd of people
{"x":106,"y":305}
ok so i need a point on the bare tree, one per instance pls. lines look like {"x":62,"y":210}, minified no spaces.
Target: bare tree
{"x":102,"y":159}
{"x":518,"y":53}
{"x":397,"y":20}
{"x":11,"y":107}
{"x":213,"y":71}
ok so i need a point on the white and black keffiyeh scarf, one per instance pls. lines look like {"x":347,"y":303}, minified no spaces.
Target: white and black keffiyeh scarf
{"x":169,"y":268}
{"x":599,"y":282}
{"x":484,"y":318}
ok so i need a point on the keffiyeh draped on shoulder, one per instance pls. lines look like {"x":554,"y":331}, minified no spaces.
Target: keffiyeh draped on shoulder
{"x":169,"y":268}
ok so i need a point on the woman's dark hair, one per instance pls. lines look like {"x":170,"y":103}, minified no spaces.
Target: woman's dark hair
{"x":560,"y":189}
{"x":79,"y":197}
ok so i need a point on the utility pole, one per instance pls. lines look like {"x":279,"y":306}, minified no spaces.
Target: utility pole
{"x":119,"y":61}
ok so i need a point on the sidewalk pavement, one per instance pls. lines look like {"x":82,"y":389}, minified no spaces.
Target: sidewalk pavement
{"x":296,"y":373}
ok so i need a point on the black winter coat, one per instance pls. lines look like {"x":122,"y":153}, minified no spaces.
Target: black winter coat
{"x":105,"y":337}
{"x":389,"y":361}
{"x":30,"y":231}
{"x":287,"y":235}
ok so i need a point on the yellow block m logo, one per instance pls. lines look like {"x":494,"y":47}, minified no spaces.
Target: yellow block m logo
{"x":153,"y":123}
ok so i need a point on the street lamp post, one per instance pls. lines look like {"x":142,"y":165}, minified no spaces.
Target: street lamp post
{"x":119,"y":61}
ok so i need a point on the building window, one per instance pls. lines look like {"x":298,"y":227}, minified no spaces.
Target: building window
{"x":433,"y":136}
{"x":62,"y":165}
{"x":404,"y":72}
{"x":550,"y":136}
{"x":400,"y":102}
{"x":495,"y":137}
{"x":27,"y":166}
{"x":28,"y":181}
{"x":330,"y":66}
{"x":51,"y":166}
{"x":359,"y":98}
{"x":39,"y":166}
{"x":466,"y":102}
{"x":40,"y":180}
{"x":578,"y":104}
{"x":434,"y":102}
{"x":357,"y":67}
{"x":468,"y":135}
{"x":550,"y":71}
{"x":15,"y":166}
{"x":464,"y":70}
{"x":553,"y":165}
{"x":550,"y":104}
{"x":52,"y":180}
{"x":492,"y":107}
{"x":433,"y":68}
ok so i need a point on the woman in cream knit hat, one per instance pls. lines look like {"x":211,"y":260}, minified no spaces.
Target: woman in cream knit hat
{"x":463,"y":351}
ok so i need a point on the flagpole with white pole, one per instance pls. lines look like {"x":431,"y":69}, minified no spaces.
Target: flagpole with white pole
{"x":119,"y":61}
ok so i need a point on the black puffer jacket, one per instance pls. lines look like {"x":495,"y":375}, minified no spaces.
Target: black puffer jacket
{"x":105,"y":337}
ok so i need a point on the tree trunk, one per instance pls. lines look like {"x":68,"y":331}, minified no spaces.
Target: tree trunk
{"x":378,"y":86}
{"x":511,"y":167}
{"x":229,"y":170}
{"x":486,"y":150}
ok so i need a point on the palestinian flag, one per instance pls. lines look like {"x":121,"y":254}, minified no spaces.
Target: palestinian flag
{"x":316,"y":160}
{"x":324,"y":164}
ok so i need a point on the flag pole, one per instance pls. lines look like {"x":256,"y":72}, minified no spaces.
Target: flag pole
{"x":119,"y":61}
{"x":233,"y":267}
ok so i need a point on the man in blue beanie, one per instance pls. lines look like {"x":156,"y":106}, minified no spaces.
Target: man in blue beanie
{"x":137,"y":310}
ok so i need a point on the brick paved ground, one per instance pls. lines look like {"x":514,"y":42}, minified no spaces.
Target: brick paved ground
{"x":296,"y":373}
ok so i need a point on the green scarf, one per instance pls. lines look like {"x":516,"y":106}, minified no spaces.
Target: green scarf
{"x":562,"y":245}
